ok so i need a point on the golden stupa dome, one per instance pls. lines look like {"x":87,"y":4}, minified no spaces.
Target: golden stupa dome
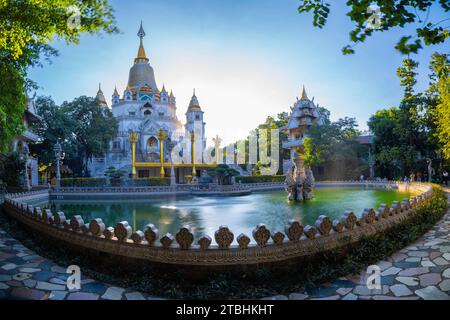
{"x":141,"y":72}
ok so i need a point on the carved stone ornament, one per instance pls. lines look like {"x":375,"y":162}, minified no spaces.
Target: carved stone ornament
{"x":324,"y":225}
{"x":294,"y":230}
{"x":137,"y":236}
{"x":243,"y":241}
{"x":109,"y":233}
{"x":278,"y":237}
{"x":310,"y":232}
{"x":59,"y":218}
{"x":122,"y":231}
{"x":76,"y":222}
{"x":167,"y":240}
{"x":338,"y":226}
{"x":261,"y":235}
{"x":96,"y":227}
{"x":185,"y":237}
{"x":151,"y":233}
{"x":204,"y":242}
{"x":224,"y":237}
{"x":349,"y":220}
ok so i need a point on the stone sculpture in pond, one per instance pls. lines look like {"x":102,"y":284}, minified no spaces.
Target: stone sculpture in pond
{"x":300,"y":179}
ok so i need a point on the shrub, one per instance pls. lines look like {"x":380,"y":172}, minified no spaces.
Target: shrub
{"x":12,"y":168}
{"x":261,"y":179}
{"x":147,"y":182}
{"x":84,"y":182}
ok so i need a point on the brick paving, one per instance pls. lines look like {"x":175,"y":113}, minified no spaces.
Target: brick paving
{"x":419,"y":271}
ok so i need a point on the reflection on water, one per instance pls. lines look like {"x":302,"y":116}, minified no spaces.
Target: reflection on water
{"x":241,"y":214}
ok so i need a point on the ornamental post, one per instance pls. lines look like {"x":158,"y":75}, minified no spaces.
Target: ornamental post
{"x":161,"y":137}
{"x":194,"y":171}
{"x":133,"y":137}
{"x":217,"y":142}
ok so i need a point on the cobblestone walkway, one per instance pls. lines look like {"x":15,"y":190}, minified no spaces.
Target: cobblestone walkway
{"x":420,"y":271}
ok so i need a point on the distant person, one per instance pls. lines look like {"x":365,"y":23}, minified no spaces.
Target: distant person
{"x":412,"y":177}
{"x":405,"y":179}
{"x":445,"y":178}
{"x":361,"y":178}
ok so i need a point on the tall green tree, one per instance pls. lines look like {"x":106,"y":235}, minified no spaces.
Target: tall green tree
{"x":55,"y":124}
{"x":83,"y":127}
{"x":439,"y":93}
{"x":12,"y":104}
{"x":392,"y":14}
{"x":96,"y":127}
{"x":27,"y":27}
{"x":405,"y":135}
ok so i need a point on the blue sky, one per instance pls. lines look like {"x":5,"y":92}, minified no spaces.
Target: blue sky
{"x":247,"y":59}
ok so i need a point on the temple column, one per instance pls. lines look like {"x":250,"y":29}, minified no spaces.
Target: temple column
{"x":161,"y":137}
{"x":133,"y":137}
{"x":217,"y":142}
{"x":194,"y":171}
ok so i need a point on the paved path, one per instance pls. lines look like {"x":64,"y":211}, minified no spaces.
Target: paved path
{"x":420,"y":271}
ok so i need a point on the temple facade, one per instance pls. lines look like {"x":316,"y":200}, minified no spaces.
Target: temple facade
{"x":149,"y":128}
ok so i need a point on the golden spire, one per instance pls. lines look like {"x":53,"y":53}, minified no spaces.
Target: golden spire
{"x":304,"y":96}
{"x":100,"y":98}
{"x":141,"y":52}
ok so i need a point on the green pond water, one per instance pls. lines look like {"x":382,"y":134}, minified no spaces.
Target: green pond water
{"x":241,"y":214}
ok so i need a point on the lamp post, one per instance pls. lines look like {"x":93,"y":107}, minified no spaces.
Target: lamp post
{"x":59,"y":155}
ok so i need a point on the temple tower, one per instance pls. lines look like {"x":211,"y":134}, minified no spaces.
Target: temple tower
{"x":300,"y":180}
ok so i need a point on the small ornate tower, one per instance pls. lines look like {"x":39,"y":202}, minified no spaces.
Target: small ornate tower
{"x":100,"y":98}
{"x":115,"y":97}
{"x":172,"y":100}
{"x":300,"y":180}
{"x":164,"y":96}
{"x":195,"y":124}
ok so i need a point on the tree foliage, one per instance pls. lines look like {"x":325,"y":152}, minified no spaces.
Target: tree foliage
{"x":83,"y":127}
{"x":223,"y":173}
{"x":27,"y":27}
{"x":409,"y":134}
{"x":440,"y":91}
{"x":334,"y":145}
{"x":393,"y":14}
{"x":28,"y":23}
{"x":12,"y":104}
{"x":12,"y":167}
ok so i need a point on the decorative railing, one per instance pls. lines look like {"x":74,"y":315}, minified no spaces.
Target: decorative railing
{"x":292,"y":143}
{"x":131,"y":189}
{"x":182,"y":248}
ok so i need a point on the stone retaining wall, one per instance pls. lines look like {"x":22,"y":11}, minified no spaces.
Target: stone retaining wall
{"x":272,"y":246}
